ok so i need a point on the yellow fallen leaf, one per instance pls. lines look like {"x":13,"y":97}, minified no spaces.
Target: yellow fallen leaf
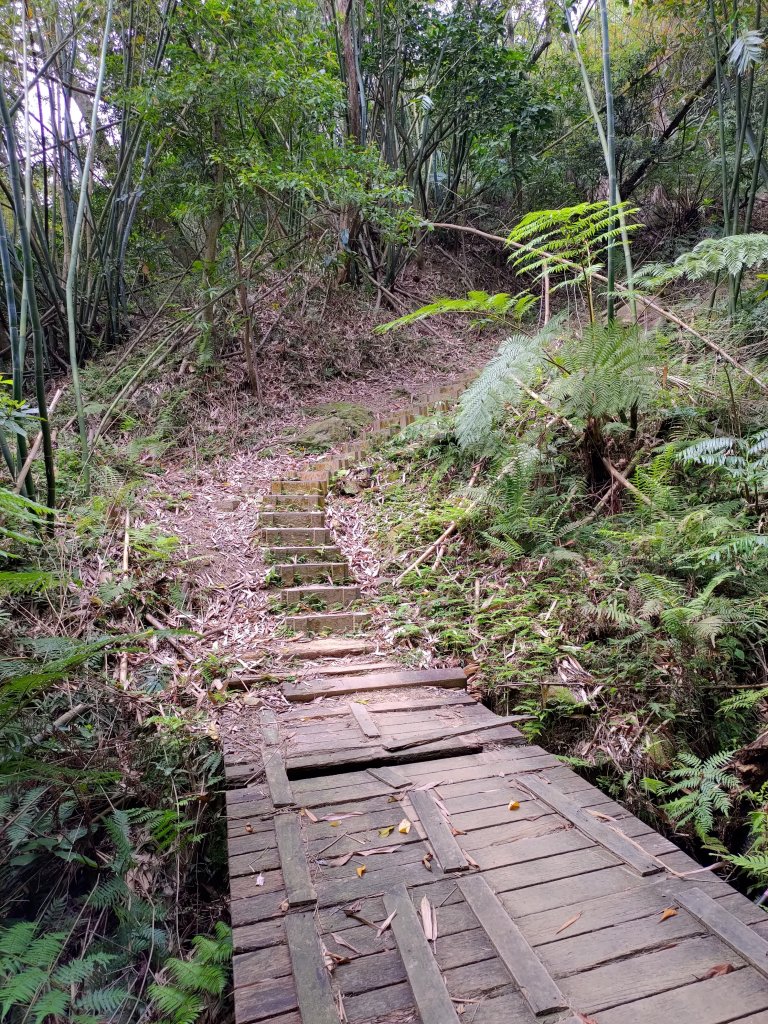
{"x":513,"y":805}
{"x":404,"y":826}
{"x":360,"y":871}
{"x":387,"y":831}
{"x":334,"y":824}
{"x":669,"y":912}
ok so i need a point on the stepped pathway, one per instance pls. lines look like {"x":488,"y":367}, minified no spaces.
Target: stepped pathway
{"x":398,"y":853}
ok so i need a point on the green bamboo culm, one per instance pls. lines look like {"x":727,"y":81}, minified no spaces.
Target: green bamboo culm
{"x":17,"y":367}
{"x":73,"y":256}
{"x":610,"y":150}
{"x":34,"y":313}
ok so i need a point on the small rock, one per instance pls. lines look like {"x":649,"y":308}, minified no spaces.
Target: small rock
{"x":230,"y":504}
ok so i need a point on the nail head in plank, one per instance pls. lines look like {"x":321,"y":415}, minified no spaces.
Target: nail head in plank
{"x":365,"y":720}
{"x":299,"y":890}
{"x":464,"y":730}
{"x":432,"y":999}
{"x":609,"y":838}
{"x":540,"y":991}
{"x":310,"y":975}
{"x":726,"y":926}
{"x":389,"y":776}
{"x":445,"y":847}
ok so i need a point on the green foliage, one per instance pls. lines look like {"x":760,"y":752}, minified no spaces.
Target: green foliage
{"x":700,"y":790}
{"x":182,"y":1000}
{"x":485,"y":309}
{"x":711,"y":256}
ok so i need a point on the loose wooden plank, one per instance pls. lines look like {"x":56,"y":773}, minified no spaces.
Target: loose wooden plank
{"x":443,"y":844}
{"x":389,"y":776}
{"x":726,"y":926}
{"x":463,"y":730}
{"x":293,"y":861}
{"x":310,"y":975}
{"x":279,"y":787}
{"x":306,"y":691}
{"x":364,"y":720}
{"x":538,"y":988}
{"x":432,"y":999}
{"x":601,"y":833}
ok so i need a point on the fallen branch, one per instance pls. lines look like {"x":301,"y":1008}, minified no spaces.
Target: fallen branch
{"x":59,"y":723}
{"x":35,"y":447}
{"x":153,"y":621}
{"x":122,"y":675}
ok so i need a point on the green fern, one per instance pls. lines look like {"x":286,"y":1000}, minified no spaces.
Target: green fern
{"x":483,"y":307}
{"x":700,"y":790}
{"x":732,"y":254}
{"x":205,"y":974}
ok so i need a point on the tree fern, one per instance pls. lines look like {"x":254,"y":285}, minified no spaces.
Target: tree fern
{"x":483,"y":307}
{"x":730,"y":255}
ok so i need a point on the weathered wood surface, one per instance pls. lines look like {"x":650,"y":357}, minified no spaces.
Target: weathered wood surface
{"x":299,"y":890}
{"x":313,"y":986}
{"x":364,"y":719}
{"x":438,"y":831}
{"x":309,"y":690}
{"x":725,"y":925}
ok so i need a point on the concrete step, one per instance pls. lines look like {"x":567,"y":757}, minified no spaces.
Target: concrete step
{"x":293,"y":574}
{"x":280,"y":536}
{"x":448,"y":678}
{"x":328,"y":622}
{"x":286,"y":502}
{"x":320,"y":597}
{"x":303,"y":486}
{"x":302,"y":554}
{"x":302,"y":518}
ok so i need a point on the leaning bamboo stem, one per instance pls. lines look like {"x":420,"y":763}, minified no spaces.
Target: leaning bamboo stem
{"x":73,"y":259}
{"x":35,"y":447}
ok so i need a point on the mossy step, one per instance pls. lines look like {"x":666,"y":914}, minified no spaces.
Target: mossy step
{"x":297,"y":502}
{"x":296,"y":574}
{"x":319,"y":486}
{"x":279,"y":536}
{"x":331,"y":596}
{"x":292,"y":519}
{"x":303,"y":554}
{"x":328,"y":622}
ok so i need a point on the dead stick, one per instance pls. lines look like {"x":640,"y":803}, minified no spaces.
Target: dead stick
{"x":35,"y":447}
{"x":60,"y":722}
{"x":122,"y":676}
{"x":171,"y":640}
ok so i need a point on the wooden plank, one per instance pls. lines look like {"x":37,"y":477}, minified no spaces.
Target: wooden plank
{"x":389,"y":776}
{"x":293,"y":861}
{"x":305,"y":691}
{"x":443,"y":844}
{"x":325,"y":647}
{"x":432,"y":999}
{"x":463,"y":730}
{"x":310,"y":975}
{"x":279,"y":787}
{"x":533,"y":979}
{"x":726,"y":926}
{"x":364,"y":720}
{"x":601,"y":833}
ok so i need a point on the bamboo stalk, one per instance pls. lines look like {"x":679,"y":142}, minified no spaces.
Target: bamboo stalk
{"x":35,"y":447}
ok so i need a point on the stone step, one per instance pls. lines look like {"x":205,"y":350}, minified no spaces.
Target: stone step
{"x":332,"y":597}
{"x":302,"y":518}
{"x":294,"y":574}
{"x":328,"y":622}
{"x":282,"y":554}
{"x":325,"y":647}
{"x":302,"y":486}
{"x":281,"y":536}
{"x":447,"y":678}
{"x":285,"y":502}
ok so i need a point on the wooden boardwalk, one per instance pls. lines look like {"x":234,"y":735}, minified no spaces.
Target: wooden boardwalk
{"x":398,"y":853}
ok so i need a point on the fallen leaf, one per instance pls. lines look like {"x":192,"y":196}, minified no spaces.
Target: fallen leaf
{"x":470,"y":860}
{"x":513,"y":805}
{"x":334,"y":824}
{"x":404,"y":827}
{"x":457,"y":831}
{"x":600,"y":815}
{"x":249,"y":827}
{"x":339,"y":862}
{"x":568,"y":923}
{"x":336,"y":818}
{"x":428,"y":922}
{"x":426,"y":860}
{"x":384,"y":832}
{"x":377,"y":850}
{"x":360,"y":871}
{"x":385,"y":924}
{"x":341,"y":941}
{"x":585,"y":1019}
{"x":717,"y":970}
{"x":259,"y":879}
{"x":669,"y":912}
{"x":309,"y":814}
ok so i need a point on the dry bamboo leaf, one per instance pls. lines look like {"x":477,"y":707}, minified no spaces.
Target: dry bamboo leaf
{"x":360,"y":871}
{"x":427,"y":785}
{"x":339,"y":862}
{"x":309,"y":814}
{"x":427,"y":920}
{"x":259,"y":879}
{"x":470,"y":860}
{"x":568,"y":923}
{"x":669,"y":912}
{"x":341,"y":941}
{"x":385,"y":924}
{"x":336,"y":818}
{"x":513,"y":805}
{"x":600,"y":815}
{"x":404,"y":827}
